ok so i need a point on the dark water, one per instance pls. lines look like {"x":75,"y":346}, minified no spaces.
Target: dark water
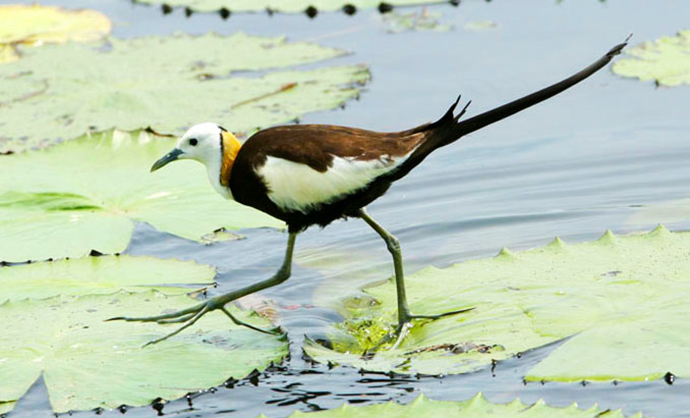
{"x":571,"y":167}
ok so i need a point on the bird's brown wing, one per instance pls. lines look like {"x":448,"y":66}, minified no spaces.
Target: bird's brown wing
{"x":317,"y":145}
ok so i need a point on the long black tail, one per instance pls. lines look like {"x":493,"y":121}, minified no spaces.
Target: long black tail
{"x":448,"y":130}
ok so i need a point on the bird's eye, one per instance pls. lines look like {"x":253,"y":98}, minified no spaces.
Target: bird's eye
{"x":193,"y":142}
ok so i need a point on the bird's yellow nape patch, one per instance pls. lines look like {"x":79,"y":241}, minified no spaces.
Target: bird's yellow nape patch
{"x":231,"y":146}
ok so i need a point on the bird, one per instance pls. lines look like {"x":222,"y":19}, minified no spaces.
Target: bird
{"x":311,"y":175}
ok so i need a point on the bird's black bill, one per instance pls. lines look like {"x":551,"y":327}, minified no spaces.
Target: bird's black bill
{"x":169,"y":157}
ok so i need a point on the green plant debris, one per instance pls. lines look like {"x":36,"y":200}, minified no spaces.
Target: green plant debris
{"x":88,"y":363}
{"x":84,"y":195}
{"x":34,"y":25}
{"x":476,"y":407}
{"x":59,"y":92}
{"x":480,"y":26}
{"x":102,"y":275}
{"x":617,"y":298}
{"x":666,"y":61}
{"x":423,"y":20}
{"x":285,"y":6}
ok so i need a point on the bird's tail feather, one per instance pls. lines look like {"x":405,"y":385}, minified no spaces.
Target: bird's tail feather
{"x":449,"y":129}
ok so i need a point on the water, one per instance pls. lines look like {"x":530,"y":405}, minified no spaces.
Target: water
{"x":571,"y":167}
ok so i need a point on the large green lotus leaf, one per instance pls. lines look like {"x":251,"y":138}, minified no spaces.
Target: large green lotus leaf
{"x":66,"y":200}
{"x":101,"y":275}
{"x":58,"y":92}
{"x":285,"y":6}
{"x":476,"y":407}
{"x":34,"y":25}
{"x":88,"y":363}
{"x":620,"y":299}
{"x":666,"y":61}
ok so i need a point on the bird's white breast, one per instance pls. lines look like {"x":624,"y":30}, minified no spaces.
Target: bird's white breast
{"x":298,"y":187}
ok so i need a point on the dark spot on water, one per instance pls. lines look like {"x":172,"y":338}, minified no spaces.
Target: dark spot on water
{"x":122,"y":409}
{"x":97,"y":411}
{"x":166,"y":9}
{"x":188,"y":12}
{"x":189,"y":398}
{"x":385,"y":7}
{"x":158,"y":405}
{"x":669,"y":378}
{"x":584,"y":383}
{"x":230,"y":383}
{"x":311,"y":11}
{"x":253,"y":377}
{"x":518,"y":355}
{"x":224,"y":13}
{"x":454,"y":2}
{"x":269,"y":11}
{"x":349,"y":9}
{"x":95,"y":253}
{"x":494,"y":362}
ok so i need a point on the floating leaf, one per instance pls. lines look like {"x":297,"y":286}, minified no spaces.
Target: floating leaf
{"x":666,"y":61}
{"x":88,"y":363}
{"x":621,"y":300}
{"x":415,"y":21}
{"x":58,"y":92}
{"x":83,"y":195}
{"x":101,"y":275}
{"x":33,"y":25}
{"x":285,"y":6}
{"x":476,"y":407}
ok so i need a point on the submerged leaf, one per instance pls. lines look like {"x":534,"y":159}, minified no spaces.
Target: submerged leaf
{"x":476,"y":407}
{"x":621,"y":300}
{"x":415,"y":21}
{"x":58,"y":92}
{"x":33,"y":25}
{"x":83,"y":195}
{"x":666,"y":61}
{"x":88,"y":363}
{"x":286,"y":6}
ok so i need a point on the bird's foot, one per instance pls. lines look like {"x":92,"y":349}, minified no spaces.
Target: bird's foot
{"x":405,"y":325}
{"x":190,"y":316}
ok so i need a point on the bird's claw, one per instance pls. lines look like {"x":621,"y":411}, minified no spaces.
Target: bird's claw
{"x":189,"y":317}
{"x":404,"y":327}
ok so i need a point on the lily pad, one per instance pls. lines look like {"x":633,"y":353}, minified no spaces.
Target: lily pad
{"x":620,"y":299}
{"x":666,"y":61}
{"x":284,"y":6}
{"x":476,"y":407}
{"x":102,"y":275}
{"x":88,"y":363}
{"x":63,"y":91}
{"x":84,"y":195}
{"x":34,"y":25}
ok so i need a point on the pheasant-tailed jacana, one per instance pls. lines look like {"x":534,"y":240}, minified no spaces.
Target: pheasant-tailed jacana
{"x":314,"y":174}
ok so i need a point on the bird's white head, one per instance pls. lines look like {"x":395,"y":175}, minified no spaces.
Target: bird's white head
{"x":202,"y":142}
{"x":211,"y":145}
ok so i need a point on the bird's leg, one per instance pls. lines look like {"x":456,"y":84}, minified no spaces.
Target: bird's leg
{"x":404,"y":315}
{"x":192,"y":314}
